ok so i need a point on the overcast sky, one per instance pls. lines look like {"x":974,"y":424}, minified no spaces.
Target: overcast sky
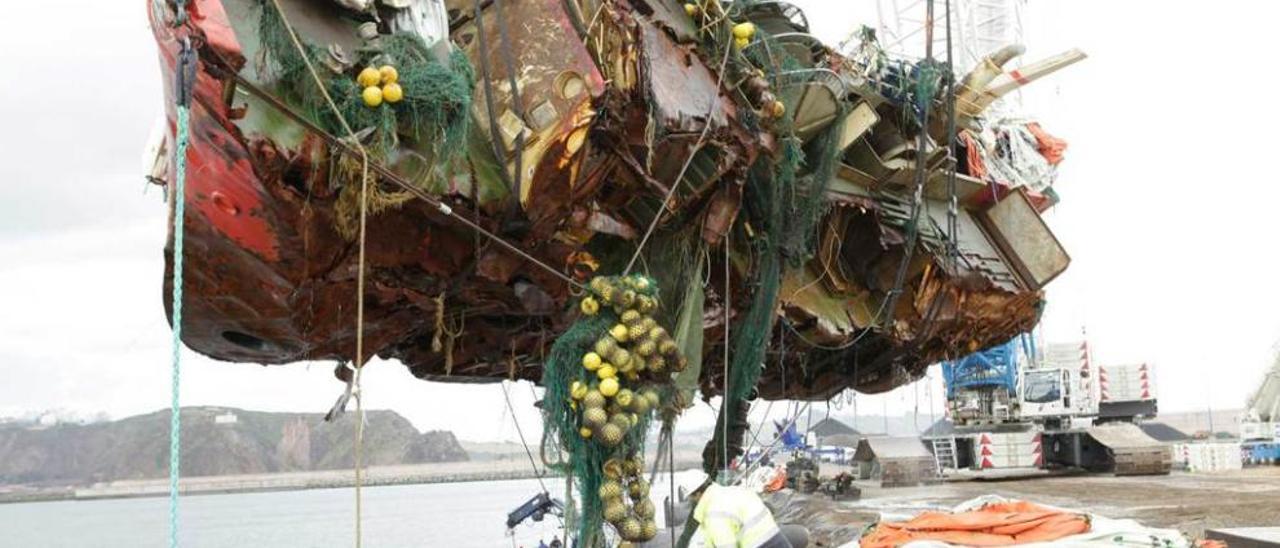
{"x":1168,"y":210}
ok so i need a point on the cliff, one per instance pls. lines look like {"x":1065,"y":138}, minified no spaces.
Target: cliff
{"x":215,"y":441}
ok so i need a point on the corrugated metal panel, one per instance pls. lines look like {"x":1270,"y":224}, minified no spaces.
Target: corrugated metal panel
{"x":1208,"y":457}
{"x":1128,"y":382}
{"x":887,"y":447}
{"x":1007,"y":450}
{"x":1026,"y":240}
{"x":977,"y":252}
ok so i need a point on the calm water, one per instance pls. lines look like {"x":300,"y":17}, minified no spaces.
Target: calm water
{"x":454,"y":514}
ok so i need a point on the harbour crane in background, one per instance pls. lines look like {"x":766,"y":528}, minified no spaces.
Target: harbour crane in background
{"x":1260,"y":426}
{"x":1028,"y":405}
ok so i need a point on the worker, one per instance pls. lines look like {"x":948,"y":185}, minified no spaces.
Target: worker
{"x":735,"y":517}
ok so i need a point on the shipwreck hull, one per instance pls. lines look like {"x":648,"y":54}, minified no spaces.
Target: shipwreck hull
{"x":570,"y":165}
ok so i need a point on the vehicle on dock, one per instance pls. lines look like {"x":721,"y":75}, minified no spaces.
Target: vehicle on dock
{"x":1016,"y":409}
{"x":1260,"y":427}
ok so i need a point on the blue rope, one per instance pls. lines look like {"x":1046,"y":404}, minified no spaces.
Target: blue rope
{"x":185,"y":72}
{"x":175,"y":415}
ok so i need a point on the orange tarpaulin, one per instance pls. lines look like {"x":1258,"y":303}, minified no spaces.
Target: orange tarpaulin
{"x":778,"y":482}
{"x":1052,"y":148}
{"x":998,"y":524}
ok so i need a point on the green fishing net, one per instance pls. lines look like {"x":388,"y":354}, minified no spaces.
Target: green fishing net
{"x":433,"y":117}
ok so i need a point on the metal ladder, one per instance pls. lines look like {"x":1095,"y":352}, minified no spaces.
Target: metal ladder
{"x":944,"y":453}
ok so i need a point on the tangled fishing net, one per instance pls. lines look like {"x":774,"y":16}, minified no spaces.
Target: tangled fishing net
{"x":434,"y":113}
{"x":605,"y":378}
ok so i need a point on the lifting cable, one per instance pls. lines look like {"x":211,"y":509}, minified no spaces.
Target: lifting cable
{"x":922,"y":141}
{"x":537,"y":474}
{"x":751,"y":464}
{"x":953,"y":206}
{"x":726,"y":406}
{"x":532,"y":462}
{"x":697,"y":147}
{"x":184,"y":85}
{"x":360,"y":274}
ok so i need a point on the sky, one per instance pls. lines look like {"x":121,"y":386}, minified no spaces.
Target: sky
{"x":1167,"y":210}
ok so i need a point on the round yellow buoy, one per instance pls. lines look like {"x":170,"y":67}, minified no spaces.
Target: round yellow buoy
{"x":744,"y":31}
{"x":609,"y":387}
{"x":388,"y":74}
{"x":372,"y":96}
{"x":610,"y":490}
{"x":778,"y":109}
{"x":584,"y":432}
{"x":590,"y":306}
{"x":619,"y":332}
{"x":606,"y":371}
{"x":624,"y":397}
{"x":369,"y":77}
{"x":593,"y":399}
{"x":605,"y":345}
{"x":611,"y":435}
{"x":591,"y":361}
{"x":577,"y":390}
{"x":595,"y":417}
{"x":392,"y":92}
{"x":631,"y":529}
{"x":691,"y":9}
{"x":649,"y":529}
{"x":614,"y":511}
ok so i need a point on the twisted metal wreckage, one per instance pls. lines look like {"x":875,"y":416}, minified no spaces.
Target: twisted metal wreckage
{"x":860,"y":205}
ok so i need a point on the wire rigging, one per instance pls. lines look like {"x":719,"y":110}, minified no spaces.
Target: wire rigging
{"x":360,"y":269}
{"x":697,"y":146}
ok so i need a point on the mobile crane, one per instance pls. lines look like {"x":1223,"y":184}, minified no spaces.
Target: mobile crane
{"x":1015,"y":407}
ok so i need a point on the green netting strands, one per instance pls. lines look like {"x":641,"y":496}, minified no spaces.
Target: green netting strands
{"x":437,"y":97}
{"x":605,"y":377}
{"x":433,"y":116}
{"x":560,"y":420}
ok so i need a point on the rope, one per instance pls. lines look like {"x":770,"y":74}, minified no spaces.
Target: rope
{"x":671,"y":484}
{"x":364,"y":206}
{"x":953,"y":228}
{"x":184,"y":74}
{"x":532,"y":463}
{"x":697,"y":146}
{"x":909,"y":244}
{"x":725,"y":404}
{"x":750,"y":465}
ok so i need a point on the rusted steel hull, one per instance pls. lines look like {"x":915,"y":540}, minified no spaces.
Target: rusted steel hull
{"x":571,"y":162}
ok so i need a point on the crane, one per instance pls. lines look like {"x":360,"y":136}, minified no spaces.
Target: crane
{"x":1260,"y":427}
{"x":1023,"y":405}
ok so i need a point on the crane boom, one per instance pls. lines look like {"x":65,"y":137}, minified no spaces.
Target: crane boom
{"x":1263,"y":410}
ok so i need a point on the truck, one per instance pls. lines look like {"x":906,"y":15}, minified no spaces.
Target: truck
{"x":1017,"y":407}
{"x":1260,"y":426}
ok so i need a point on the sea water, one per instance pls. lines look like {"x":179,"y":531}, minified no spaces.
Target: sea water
{"x":443,"y":514}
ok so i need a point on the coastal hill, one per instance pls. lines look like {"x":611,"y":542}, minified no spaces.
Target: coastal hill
{"x":215,"y":441}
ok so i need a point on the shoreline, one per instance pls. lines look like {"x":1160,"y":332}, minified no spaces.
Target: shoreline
{"x":374,"y":476}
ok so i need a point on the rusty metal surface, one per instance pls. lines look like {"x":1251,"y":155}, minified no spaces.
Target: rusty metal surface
{"x":607,"y":119}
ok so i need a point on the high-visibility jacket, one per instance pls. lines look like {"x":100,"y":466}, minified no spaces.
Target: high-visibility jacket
{"x":734,"y":517}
